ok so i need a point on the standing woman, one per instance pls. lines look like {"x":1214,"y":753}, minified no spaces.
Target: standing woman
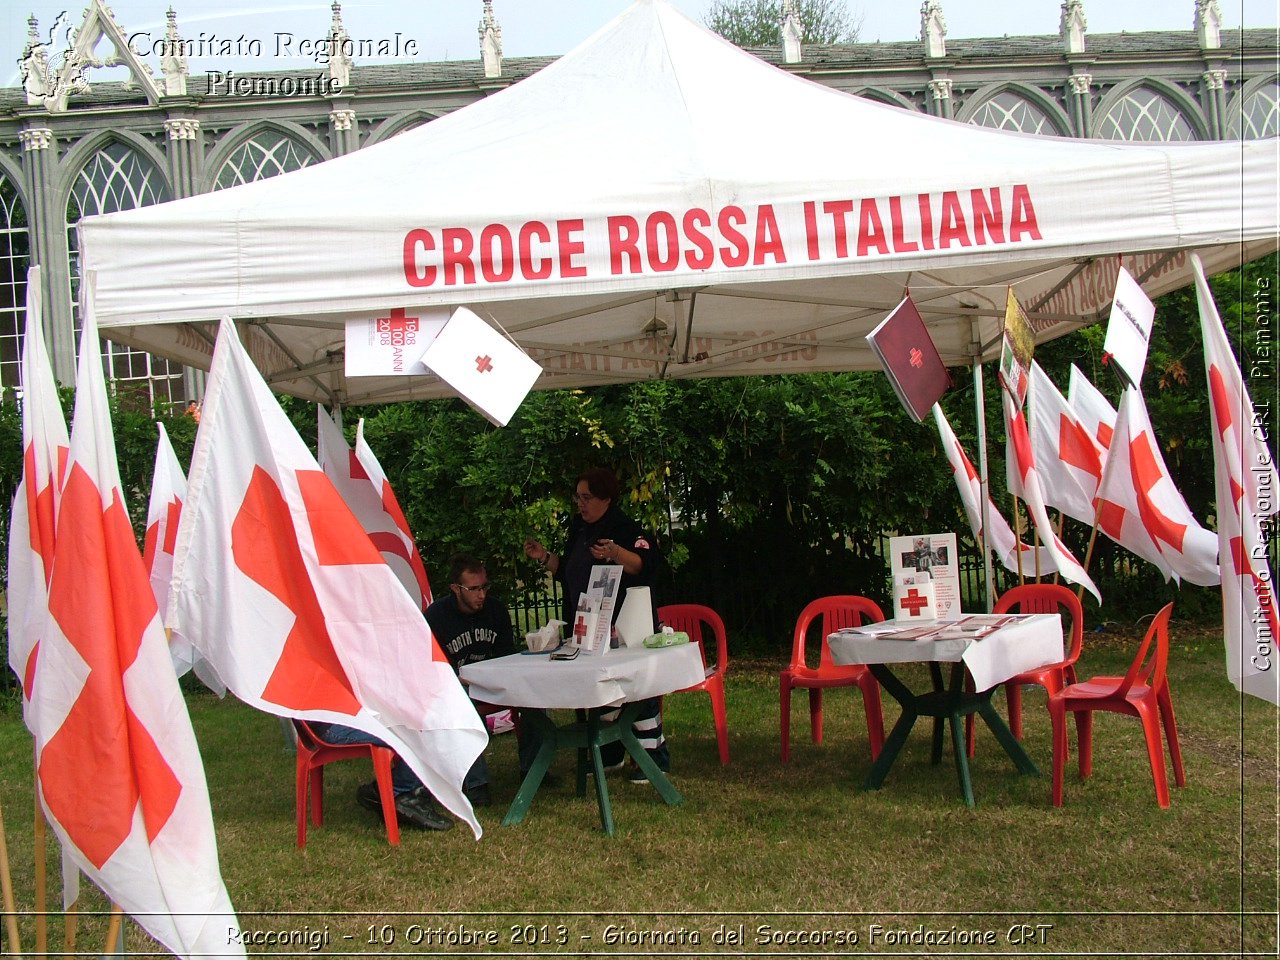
{"x":602,"y":533}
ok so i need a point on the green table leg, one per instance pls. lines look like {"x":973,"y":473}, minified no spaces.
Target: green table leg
{"x":949,"y":704}
{"x":955,"y":701}
{"x":1005,"y":736}
{"x":935,"y":675}
{"x":666,"y":789}
{"x":541,"y":763}
{"x":587,"y":735}
{"x":898,"y":735}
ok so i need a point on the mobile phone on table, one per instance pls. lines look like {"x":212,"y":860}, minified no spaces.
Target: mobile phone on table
{"x":566,"y":652}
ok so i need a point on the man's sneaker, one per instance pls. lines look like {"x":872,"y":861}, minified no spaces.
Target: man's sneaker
{"x":549,"y":779}
{"x":479,"y":795}
{"x":368,"y":796}
{"x":636,"y":775}
{"x":417,"y":809}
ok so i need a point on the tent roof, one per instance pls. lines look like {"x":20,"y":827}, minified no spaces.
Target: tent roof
{"x":660,"y":203}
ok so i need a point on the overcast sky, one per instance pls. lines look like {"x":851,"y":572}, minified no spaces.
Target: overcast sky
{"x":446,"y":29}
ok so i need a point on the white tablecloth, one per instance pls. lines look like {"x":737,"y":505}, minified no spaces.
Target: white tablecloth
{"x":606,"y":680}
{"x":1023,"y":644}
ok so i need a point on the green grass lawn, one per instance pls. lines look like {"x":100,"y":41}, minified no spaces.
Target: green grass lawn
{"x":800,"y":850}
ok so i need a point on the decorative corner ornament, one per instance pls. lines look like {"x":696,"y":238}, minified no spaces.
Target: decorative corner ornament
{"x":490,"y":42}
{"x":50,"y":79}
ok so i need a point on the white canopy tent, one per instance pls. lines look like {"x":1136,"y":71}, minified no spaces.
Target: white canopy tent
{"x":660,"y":203}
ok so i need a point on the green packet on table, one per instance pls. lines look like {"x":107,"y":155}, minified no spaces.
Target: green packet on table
{"x":666,"y":639}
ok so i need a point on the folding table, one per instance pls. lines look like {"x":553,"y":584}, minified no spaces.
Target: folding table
{"x":591,"y":686}
{"x":991,"y":654}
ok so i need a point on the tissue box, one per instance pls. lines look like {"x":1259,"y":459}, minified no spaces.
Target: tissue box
{"x":544,"y":639}
{"x":666,"y":639}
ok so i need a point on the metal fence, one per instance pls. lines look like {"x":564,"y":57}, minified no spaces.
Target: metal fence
{"x":1131,"y":587}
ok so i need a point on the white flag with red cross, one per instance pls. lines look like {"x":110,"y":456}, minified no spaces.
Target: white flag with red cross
{"x":1094,"y":411}
{"x":970,"y":486}
{"x":1068,"y":458}
{"x":371,"y":500}
{"x":1141,"y":508}
{"x":1024,"y":463}
{"x":278,"y":586}
{"x":117,"y":767}
{"x":1247,"y":487}
{"x":33,"y":522}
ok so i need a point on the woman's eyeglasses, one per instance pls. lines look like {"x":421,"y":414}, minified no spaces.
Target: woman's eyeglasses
{"x":583,"y":497}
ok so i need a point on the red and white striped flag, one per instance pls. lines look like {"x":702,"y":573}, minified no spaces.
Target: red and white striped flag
{"x":168,"y":490}
{"x":1068,"y":458}
{"x":1023,"y":462}
{"x":1247,"y":487}
{"x":970,"y":486}
{"x":378,"y":477}
{"x":1093,"y":409}
{"x":33,"y":522}
{"x":369,"y":496}
{"x":1142,"y":510}
{"x":277,"y":585}
{"x":117,"y":767}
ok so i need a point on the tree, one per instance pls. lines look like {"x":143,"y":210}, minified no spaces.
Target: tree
{"x":758,"y":23}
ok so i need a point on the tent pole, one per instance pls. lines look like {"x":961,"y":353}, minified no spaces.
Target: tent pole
{"x":981,"y":414}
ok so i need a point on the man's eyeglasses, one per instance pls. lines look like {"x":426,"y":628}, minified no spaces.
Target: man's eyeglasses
{"x":583,"y":497}
{"x":478,"y":588}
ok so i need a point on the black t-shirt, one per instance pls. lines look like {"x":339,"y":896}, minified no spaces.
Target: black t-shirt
{"x":467,"y":637}
{"x":576,"y":561}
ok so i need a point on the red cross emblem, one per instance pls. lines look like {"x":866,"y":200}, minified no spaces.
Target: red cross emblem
{"x":397,"y":322}
{"x":913,"y":603}
{"x":484,"y":364}
{"x":917,"y":358}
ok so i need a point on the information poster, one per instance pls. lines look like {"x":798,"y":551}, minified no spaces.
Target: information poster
{"x":934,"y":557}
{"x":594,"y":617}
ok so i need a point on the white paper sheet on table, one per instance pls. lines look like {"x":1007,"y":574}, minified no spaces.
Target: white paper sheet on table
{"x":1022,"y":644}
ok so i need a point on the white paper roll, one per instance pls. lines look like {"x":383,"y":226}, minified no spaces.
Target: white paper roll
{"x":635,"y":622}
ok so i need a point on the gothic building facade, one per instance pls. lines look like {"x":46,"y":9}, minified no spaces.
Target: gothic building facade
{"x":71,"y":145}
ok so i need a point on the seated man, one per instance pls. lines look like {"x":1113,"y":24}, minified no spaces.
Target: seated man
{"x":470,"y":627}
{"x":415,"y":807}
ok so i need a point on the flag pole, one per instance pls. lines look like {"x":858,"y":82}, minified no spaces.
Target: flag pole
{"x":6,"y":885}
{"x":71,"y":921}
{"x":113,"y":930}
{"x":984,"y":489}
{"x":1017,"y":536}
{"x":1088,"y":553}
{"x":42,"y":885}
{"x":1062,"y":522}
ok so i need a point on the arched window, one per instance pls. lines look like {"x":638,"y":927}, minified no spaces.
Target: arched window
{"x":1008,"y":110}
{"x":117,"y":178}
{"x":15,"y":257}
{"x":1145,"y":114}
{"x":264,"y":155}
{"x":1259,"y":117}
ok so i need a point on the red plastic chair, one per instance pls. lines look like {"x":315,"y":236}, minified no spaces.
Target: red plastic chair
{"x":314,"y":752}
{"x":1038,"y":598}
{"x":1142,"y":692}
{"x":835,"y":612}
{"x":697,"y":620}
